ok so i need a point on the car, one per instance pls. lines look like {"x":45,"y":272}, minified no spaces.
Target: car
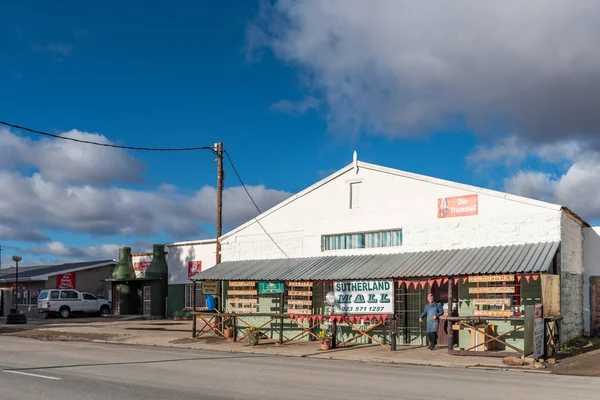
{"x":65,"y":302}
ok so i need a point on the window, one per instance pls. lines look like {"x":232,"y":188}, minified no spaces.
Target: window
{"x":68,"y":294}
{"x":54,"y":294}
{"x":87,"y":296}
{"x":27,"y":297}
{"x":200,"y":298}
{"x":365,"y":240}
{"x":43,"y":296}
{"x":354,"y":195}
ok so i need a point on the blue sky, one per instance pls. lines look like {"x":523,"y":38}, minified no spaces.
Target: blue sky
{"x":290,"y":105}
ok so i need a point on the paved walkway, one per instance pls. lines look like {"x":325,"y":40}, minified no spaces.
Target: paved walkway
{"x":177,"y":334}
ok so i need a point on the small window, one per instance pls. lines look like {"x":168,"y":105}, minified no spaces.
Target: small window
{"x":43,"y":296}
{"x":200,"y":298}
{"x":55,"y":294}
{"x":363,"y":240}
{"x":87,"y":296}
{"x":355,"y":195}
{"x":68,"y":294}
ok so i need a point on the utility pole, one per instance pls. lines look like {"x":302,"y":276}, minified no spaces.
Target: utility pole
{"x":220,"y":177}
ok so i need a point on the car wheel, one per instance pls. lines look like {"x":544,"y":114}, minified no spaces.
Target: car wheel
{"x":65,"y":312}
{"x":104,"y":310}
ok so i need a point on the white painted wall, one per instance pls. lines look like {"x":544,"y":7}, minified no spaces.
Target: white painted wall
{"x":571,"y":279}
{"x":391,"y":200}
{"x":180,"y":254}
{"x":591,"y":264}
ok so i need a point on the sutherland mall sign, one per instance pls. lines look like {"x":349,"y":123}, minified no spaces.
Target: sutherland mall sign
{"x":362,"y":297}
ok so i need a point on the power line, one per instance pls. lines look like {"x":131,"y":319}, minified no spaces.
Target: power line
{"x":115,"y":146}
{"x":253,"y":202}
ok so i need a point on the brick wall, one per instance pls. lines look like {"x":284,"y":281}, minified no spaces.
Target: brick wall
{"x":571,"y":274}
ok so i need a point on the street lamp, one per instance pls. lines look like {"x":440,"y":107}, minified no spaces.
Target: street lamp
{"x":16,"y":259}
{"x":15,"y":317}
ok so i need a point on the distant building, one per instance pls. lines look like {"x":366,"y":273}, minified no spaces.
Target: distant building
{"x":86,"y":276}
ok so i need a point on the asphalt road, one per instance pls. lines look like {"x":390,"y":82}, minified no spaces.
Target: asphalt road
{"x":33,"y":369}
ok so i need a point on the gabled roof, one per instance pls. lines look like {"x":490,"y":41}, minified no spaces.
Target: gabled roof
{"x":43,"y":272}
{"x":409,"y":175}
{"x":514,"y":259}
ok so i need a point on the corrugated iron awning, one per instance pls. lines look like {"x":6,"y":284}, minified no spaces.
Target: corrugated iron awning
{"x":534,"y":257}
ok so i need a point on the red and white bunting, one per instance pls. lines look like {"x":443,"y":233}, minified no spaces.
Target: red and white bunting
{"x":320,"y":317}
{"x":464,"y":279}
{"x":370,"y":318}
{"x":422,"y":284}
{"x":439,"y":282}
{"x":535,"y":277}
{"x":527,"y":277}
{"x":292,"y":316}
{"x":378,"y":317}
{"x":455,"y":281}
{"x":383,"y":316}
{"x":519,"y":277}
{"x":445,"y":281}
{"x":400,"y":283}
{"x":431,"y":282}
{"x":339,"y":318}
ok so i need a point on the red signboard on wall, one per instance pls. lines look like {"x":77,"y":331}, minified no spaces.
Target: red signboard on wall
{"x":66,"y":281}
{"x":460,"y":206}
{"x":194,"y":267}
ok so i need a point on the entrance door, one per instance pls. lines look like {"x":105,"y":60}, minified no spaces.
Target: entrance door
{"x":595,"y":305}
{"x":147,"y":300}
{"x":409,"y":305}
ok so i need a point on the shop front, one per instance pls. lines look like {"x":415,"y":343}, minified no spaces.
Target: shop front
{"x":140,"y":295}
{"x":490,"y":297}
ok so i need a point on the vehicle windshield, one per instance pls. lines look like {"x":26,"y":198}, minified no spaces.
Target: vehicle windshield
{"x":43,"y":296}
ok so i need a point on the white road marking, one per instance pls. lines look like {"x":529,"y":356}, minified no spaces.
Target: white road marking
{"x":34,"y":375}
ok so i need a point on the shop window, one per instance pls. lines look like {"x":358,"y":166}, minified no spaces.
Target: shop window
{"x":363,"y":240}
{"x":200,"y":298}
{"x":54,"y":294}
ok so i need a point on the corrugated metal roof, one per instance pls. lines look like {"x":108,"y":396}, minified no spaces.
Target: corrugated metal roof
{"x":534,"y":257}
{"x":34,"y":271}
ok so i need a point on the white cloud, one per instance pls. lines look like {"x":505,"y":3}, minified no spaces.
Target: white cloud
{"x":61,"y":49}
{"x":578,"y":188}
{"x":398,"y":67}
{"x":506,"y":151}
{"x":59,"y":249}
{"x":296,"y":107}
{"x":62,"y":160}
{"x":69,"y":190}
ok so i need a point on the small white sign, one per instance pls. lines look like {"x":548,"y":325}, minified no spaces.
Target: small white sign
{"x":364,"y":297}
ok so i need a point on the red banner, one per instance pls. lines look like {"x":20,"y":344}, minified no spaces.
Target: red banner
{"x":461,"y":206}
{"x":66,"y":281}
{"x":194,"y":267}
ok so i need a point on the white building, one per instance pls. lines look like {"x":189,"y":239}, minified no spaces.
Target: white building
{"x":369,"y":209}
{"x":184,"y":260}
{"x":591,"y":281}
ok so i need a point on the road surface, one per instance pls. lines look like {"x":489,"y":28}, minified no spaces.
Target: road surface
{"x":33,"y":369}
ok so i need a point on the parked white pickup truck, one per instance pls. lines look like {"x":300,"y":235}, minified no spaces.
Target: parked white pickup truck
{"x":64,"y":302}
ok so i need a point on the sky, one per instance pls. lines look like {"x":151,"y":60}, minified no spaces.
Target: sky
{"x":502,"y":95}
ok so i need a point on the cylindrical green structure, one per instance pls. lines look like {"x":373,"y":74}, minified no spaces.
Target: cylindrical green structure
{"x":158,"y":274}
{"x":124,"y":270}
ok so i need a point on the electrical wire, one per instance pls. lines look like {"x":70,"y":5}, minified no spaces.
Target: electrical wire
{"x":253,"y":202}
{"x":106,"y":144}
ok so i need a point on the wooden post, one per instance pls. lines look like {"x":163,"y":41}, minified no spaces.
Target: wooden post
{"x":450,"y":314}
{"x":194,"y":309}
{"x":393,"y":330}
{"x":234,"y":326}
{"x":334,"y":335}
{"x":281,"y":300}
{"x":220,"y":176}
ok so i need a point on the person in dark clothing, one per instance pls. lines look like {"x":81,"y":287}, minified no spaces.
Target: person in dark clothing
{"x":433,"y":311}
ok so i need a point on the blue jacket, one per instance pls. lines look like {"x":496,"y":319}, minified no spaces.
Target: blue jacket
{"x":429,"y":311}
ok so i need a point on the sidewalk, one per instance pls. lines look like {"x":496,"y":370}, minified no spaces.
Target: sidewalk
{"x":177,"y":334}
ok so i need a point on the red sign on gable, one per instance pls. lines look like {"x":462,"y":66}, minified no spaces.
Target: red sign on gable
{"x":194,"y":267}
{"x":66,"y":281}
{"x":461,"y":206}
